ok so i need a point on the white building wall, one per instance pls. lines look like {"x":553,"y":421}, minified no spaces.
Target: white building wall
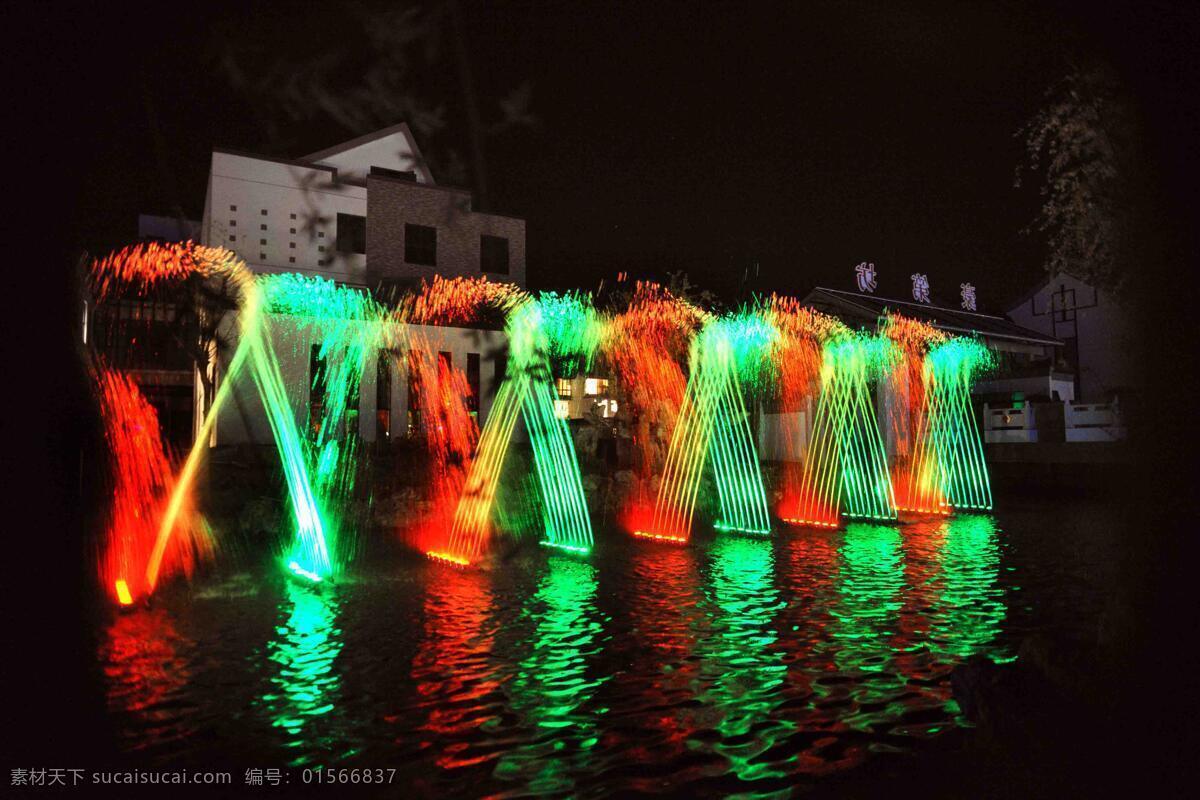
{"x":299,"y":226}
{"x":243,"y":419}
{"x":1106,"y":336}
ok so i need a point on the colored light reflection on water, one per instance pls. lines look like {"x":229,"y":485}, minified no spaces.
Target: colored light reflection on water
{"x":301,"y":703}
{"x":554,"y":680}
{"x":736,"y":665}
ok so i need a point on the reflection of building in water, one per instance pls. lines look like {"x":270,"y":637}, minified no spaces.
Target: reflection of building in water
{"x":551,"y":688}
{"x":453,"y":670}
{"x":145,"y":665}
{"x":970,"y":605}
{"x":302,"y":703}
{"x":741,"y":670}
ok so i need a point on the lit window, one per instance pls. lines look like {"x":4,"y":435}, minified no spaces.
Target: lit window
{"x":562,"y":409}
{"x":564,"y":387}
{"x":595,"y":386}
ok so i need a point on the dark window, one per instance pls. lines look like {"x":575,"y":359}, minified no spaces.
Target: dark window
{"x":233,"y":223}
{"x":493,"y":254}
{"x":292,"y":245}
{"x":499,"y":372}
{"x":233,"y":208}
{"x":414,"y":392}
{"x":264,"y":212}
{"x":473,"y":382}
{"x":320,"y":234}
{"x":383,"y":397}
{"x":262,"y":227}
{"x":262,"y":241}
{"x":403,"y":175}
{"x":291,"y":230}
{"x":316,"y":394}
{"x":292,"y":259}
{"x":233,"y":238}
{"x":262,"y":256}
{"x":293,"y":216}
{"x":351,"y":233}
{"x":420,"y":245}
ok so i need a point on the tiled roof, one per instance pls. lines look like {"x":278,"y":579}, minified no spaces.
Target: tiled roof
{"x":865,"y":309}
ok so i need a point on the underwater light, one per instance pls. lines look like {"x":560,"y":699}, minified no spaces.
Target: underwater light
{"x":303,"y":573}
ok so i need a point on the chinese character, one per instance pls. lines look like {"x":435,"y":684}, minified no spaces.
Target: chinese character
{"x":864,"y":273}
{"x":56,"y":777}
{"x":274,"y":776}
{"x":920,"y":287}
{"x":20,"y":777}
{"x":254,"y":777}
{"x":968,"y":296}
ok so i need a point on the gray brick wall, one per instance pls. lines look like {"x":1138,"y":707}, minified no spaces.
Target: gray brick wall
{"x":392,"y":203}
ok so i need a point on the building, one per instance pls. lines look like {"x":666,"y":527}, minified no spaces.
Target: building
{"x":1096,"y":332}
{"x":1028,"y":361}
{"x":369,"y":214}
{"x":365,"y":213}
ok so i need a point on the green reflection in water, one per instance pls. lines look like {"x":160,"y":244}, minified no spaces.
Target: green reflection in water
{"x":306,"y":687}
{"x":869,"y":589}
{"x":971,"y":608}
{"x":741,"y":672}
{"x":552,"y":686}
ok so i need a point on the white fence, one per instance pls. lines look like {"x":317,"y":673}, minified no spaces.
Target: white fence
{"x":1093,"y":422}
{"x":1009,"y":424}
{"x":1082,"y":422}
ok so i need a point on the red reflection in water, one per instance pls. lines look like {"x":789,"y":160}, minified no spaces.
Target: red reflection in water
{"x":452,"y":669}
{"x":145,"y":663}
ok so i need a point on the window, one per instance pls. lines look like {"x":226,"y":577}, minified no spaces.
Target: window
{"x":595,"y":386}
{"x":499,"y":372}
{"x":320,"y":234}
{"x":262,"y":256}
{"x":317,"y":373}
{"x":321,"y":248}
{"x":420,"y":245}
{"x":233,"y":223}
{"x":562,"y":409}
{"x":291,"y":230}
{"x":262,"y":227}
{"x":293,"y":216}
{"x":564,"y":387}
{"x":264,"y":212}
{"x":473,"y":382}
{"x":414,"y":392}
{"x":351,"y":233}
{"x":383,"y":397}
{"x":232,"y":238}
{"x":292,"y":245}
{"x":233,"y":208}
{"x":493,"y":254}
{"x":262,"y":241}
{"x":291,"y":259}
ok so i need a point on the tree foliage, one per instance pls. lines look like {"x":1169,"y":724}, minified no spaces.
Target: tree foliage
{"x":1084,"y":144}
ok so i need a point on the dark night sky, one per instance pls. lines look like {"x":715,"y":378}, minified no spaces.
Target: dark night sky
{"x":687,"y":136}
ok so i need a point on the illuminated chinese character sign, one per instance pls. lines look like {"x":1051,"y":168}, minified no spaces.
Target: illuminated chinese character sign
{"x":864,"y":274}
{"x":920,"y":288}
{"x":968,"y":296}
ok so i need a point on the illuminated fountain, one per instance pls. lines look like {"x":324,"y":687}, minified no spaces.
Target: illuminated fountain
{"x":153,"y":527}
{"x":845,"y":466}
{"x":330,"y":331}
{"x":551,"y":327}
{"x":714,"y":424}
{"x":646,"y":346}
